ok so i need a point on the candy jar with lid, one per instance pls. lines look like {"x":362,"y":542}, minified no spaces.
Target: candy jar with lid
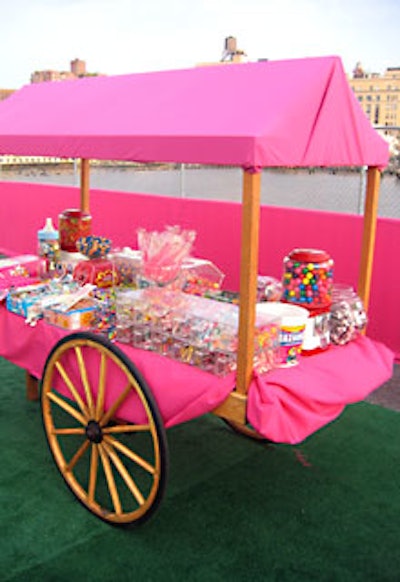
{"x":73,"y":225}
{"x":308,"y":277}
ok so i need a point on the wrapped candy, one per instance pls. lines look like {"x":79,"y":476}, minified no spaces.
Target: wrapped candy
{"x":268,"y":288}
{"x":93,"y":247}
{"x":164,"y":252}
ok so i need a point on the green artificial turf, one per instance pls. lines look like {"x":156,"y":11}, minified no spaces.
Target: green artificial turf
{"x":235,"y":509}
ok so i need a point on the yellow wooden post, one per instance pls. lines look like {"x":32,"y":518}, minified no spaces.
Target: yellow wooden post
{"x":85,"y":185}
{"x":369,"y":233}
{"x":248,"y":277}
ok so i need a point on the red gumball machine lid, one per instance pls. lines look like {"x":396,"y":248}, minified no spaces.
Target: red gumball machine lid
{"x":309,"y":255}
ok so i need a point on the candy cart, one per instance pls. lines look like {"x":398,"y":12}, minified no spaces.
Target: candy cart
{"x":106,"y":406}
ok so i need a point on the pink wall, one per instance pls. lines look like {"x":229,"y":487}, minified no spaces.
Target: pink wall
{"x":118,"y":215}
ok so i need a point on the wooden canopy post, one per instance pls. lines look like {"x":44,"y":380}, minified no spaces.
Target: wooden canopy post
{"x":85,"y":167}
{"x":369,"y":233}
{"x":248,"y":277}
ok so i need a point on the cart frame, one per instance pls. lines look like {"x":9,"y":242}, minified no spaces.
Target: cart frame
{"x":92,"y":416}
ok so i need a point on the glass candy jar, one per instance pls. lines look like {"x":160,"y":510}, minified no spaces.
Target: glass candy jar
{"x":73,"y":224}
{"x":308,"y":278}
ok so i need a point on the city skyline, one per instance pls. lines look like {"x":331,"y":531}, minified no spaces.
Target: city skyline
{"x":127,"y":36}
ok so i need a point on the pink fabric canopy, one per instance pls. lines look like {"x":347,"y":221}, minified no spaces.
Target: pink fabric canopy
{"x":278,"y":113}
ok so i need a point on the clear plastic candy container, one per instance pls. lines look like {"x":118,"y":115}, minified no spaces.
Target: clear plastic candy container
{"x":348,"y":317}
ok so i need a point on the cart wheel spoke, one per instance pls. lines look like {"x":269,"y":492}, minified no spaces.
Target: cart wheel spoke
{"x":66,"y":407}
{"x":94,"y":463}
{"x":124,"y":428}
{"x":68,"y":431}
{"x":124,"y":474}
{"x":116,"y":467}
{"x":79,"y":453}
{"x":131,"y":455}
{"x":110,"y":479}
{"x":85,"y":381}
{"x":74,"y":392}
{"x":115,"y":406}
{"x":101,"y":387}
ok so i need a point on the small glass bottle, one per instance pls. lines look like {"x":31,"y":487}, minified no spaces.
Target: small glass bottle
{"x":48,"y":247}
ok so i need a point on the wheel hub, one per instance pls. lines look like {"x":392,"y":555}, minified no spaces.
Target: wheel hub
{"x":94,"y":432}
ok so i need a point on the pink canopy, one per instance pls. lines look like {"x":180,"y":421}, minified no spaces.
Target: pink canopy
{"x":278,"y":113}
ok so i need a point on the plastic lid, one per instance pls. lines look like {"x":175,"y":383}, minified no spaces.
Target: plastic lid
{"x":289,"y":315}
{"x":75,"y":213}
{"x":48,"y":232}
{"x":309,"y":255}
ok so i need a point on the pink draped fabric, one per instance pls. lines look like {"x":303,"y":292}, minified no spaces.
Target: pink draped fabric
{"x":288,"y":404}
{"x":181,"y":391}
{"x":285,"y":405}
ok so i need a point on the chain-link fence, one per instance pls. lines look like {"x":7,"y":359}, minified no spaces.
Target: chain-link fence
{"x":330,"y":190}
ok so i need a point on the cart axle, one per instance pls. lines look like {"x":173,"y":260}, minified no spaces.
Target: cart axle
{"x":94,"y":432}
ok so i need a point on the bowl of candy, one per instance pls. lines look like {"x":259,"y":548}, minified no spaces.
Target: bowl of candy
{"x":94,"y":247}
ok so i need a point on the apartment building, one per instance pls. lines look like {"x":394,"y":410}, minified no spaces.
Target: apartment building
{"x":49,"y":75}
{"x":77,"y":70}
{"x":379,"y":96}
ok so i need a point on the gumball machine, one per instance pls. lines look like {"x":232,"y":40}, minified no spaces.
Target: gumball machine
{"x":308,"y":281}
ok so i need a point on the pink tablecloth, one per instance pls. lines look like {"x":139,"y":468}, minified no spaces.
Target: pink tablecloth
{"x":182,"y":392}
{"x":285,"y":405}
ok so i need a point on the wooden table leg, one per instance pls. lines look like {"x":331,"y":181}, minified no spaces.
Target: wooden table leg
{"x":32,"y":388}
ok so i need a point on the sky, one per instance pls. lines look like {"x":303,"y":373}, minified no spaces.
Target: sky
{"x":127,"y":36}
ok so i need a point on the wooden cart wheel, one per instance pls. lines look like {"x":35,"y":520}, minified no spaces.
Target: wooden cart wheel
{"x":116,"y":468}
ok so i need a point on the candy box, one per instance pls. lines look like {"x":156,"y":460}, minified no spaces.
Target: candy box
{"x":8,"y":282}
{"x":99,"y":272}
{"x":26,"y":301}
{"x":127,"y":265}
{"x":22,"y":265}
{"x":67,"y":261}
{"x":105,"y":312}
{"x":80,"y":316}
